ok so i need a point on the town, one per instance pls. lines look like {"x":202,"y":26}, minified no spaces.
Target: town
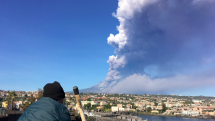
{"x":114,"y":103}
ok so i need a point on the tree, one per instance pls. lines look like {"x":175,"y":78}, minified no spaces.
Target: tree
{"x":32,"y":99}
{"x":107,"y":110}
{"x":68,"y":103}
{"x":40,"y":94}
{"x":11,"y":97}
{"x":149,"y":109}
{"x":25,"y":105}
{"x":1,"y":100}
{"x":23,"y":99}
{"x":8,"y":102}
{"x":87,"y":106}
{"x":107,"y":106}
{"x":134,"y":106}
{"x":164,"y":108}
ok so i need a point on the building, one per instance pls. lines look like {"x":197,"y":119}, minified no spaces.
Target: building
{"x":155,"y":111}
{"x":17,"y":103}
{"x":190,"y":112}
{"x":114,"y":109}
{"x":168,"y":112}
{"x":202,"y":110}
{"x":119,"y":105}
{"x":128,"y":106}
{"x":103,"y":103}
{"x":91,"y":102}
{"x":196,"y":101}
{"x":121,"y":109}
{"x":4,"y":104}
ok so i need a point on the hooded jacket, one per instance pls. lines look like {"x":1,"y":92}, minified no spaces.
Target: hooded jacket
{"x":46,"y":109}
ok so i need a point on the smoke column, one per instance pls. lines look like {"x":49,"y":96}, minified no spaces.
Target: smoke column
{"x":162,"y":46}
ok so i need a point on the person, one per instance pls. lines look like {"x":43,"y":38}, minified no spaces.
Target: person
{"x":50,"y":107}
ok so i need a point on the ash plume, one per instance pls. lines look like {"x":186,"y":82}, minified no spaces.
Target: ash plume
{"x":169,"y":42}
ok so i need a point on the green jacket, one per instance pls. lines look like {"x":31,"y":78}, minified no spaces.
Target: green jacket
{"x":45,"y":109}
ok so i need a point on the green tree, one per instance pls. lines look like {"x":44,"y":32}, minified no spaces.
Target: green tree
{"x":134,"y":106}
{"x":149,"y":109}
{"x":23,"y":99}
{"x":32,"y":99}
{"x":11,"y":97}
{"x":107,"y":110}
{"x":68,"y":103}
{"x":25,"y":105}
{"x":160,"y":111}
{"x":164,"y":108}
{"x":87,"y":106}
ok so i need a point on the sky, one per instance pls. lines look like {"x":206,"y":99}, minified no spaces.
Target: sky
{"x":124,"y":46}
{"x":46,"y":41}
{"x":163,"y":46}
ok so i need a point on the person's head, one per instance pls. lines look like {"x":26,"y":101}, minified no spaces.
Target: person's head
{"x":54,"y":91}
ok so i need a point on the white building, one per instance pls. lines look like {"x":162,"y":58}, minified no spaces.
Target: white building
{"x":114,"y":109}
{"x":121,"y":109}
{"x":103,"y":103}
{"x":190,"y":113}
{"x":91,"y":102}
{"x":196,"y":101}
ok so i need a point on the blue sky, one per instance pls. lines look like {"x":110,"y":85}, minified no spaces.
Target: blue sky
{"x":43,"y":41}
{"x":159,"y":47}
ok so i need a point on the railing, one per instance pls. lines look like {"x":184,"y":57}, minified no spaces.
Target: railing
{"x":3,"y":113}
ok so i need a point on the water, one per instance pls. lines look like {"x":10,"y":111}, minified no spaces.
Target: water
{"x":160,"y":118}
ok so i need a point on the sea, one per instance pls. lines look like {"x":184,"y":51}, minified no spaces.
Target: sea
{"x":161,"y":118}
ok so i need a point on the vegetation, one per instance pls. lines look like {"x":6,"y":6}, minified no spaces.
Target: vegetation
{"x":149,"y":109}
{"x":32,"y":99}
{"x":8,"y":102}
{"x":1,"y":99}
{"x":40,"y":94}
{"x":87,"y":106}
{"x":25,"y":105}
{"x":10,"y":98}
{"x":23,"y":99}
{"x":18,"y":98}
{"x":164,"y":108}
{"x":134,"y":106}
{"x":107,"y":108}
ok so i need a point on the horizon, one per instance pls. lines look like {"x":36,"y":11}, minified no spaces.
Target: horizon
{"x":125,"y":94}
{"x":138,"y":46}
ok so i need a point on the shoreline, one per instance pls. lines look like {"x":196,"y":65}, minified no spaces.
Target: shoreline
{"x":157,"y":115}
{"x":179,"y":116}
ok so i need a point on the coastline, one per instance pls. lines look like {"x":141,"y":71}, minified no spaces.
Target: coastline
{"x":120,"y":115}
{"x":179,"y":116}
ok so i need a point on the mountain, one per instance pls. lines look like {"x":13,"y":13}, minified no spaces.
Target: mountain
{"x":102,"y":87}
